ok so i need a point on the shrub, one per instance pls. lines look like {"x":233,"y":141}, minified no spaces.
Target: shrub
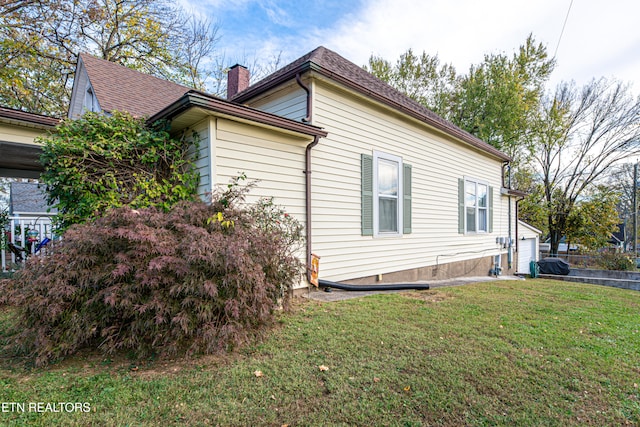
{"x":199,"y":278}
{"x":615,"y":261}
{"x":99,"y":162}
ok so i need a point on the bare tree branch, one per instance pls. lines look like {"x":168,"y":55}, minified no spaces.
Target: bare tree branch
{"x":585,"y":133}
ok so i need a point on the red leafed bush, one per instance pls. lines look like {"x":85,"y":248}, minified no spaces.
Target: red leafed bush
{"x":200,"y":278}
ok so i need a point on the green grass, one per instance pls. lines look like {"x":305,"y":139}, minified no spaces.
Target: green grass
{"x":530,"y":352}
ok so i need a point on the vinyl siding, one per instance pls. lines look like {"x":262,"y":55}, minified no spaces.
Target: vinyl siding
{"x":275,"y":159}
{"x":357,"y":126}
{"x":289,"y":101}
{"x":22,"y":135}
{"x":203,"y":157}
{"x":80,"y":85}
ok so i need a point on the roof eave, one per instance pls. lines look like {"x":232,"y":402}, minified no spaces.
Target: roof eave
{"x":309,"y":65}
{"x":458,"y":134}
{"x":15,"y":117}
{"x":513,"y":192}
{"x":258,"y":88}
{"x":198,"y":99}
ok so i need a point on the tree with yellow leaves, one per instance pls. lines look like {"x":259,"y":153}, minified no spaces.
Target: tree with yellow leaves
{"x":40,"y":41}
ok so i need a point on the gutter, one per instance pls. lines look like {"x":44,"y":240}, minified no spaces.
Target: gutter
{"x":306,"y":89}
{"x":307,"y":172}
{"x":509,"y":192}
{"x":429,"y":118}
{"x":195,"y":98}
{"x":22,"y":118}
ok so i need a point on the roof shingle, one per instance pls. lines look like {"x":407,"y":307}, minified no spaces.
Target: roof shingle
{"x":27,"y":197}
{"x":334,"y":66}
{"x":124,"y":89}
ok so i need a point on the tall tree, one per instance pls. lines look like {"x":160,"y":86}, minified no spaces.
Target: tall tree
{"x":40,"y":41}
{"x":582,"y":134}
{"x":562,"y":145}
{"x":421,"y":77}
{"x":621,"y":180}
{"x":496,"y":101}
{"x":594,"y":219}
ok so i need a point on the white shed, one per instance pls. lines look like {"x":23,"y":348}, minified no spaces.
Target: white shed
{"x":528,"y":246}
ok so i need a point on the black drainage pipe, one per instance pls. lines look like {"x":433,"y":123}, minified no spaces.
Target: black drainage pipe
{"x":391,"y":287}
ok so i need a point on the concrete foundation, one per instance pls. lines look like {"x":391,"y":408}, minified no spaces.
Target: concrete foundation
{"x":468,"y":268}
{"x":478,"y":267}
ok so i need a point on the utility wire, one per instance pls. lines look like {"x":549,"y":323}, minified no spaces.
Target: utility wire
{"x":566,"y":18}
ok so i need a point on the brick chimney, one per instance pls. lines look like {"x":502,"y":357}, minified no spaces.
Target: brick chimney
{"x":237,"y":80}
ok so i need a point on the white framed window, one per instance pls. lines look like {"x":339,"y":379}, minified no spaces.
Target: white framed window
{"x":476,"y":206}
{"x":387,"y":194}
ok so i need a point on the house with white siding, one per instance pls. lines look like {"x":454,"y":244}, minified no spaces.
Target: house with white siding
{"x":19,"y":148}
{"x":20,"y":158}
{"x":388,"y":191}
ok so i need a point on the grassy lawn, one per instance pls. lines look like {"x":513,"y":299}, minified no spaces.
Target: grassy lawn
{"x":530,"y":352}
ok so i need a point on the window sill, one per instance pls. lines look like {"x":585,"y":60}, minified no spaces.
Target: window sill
{"x":387,"y":235}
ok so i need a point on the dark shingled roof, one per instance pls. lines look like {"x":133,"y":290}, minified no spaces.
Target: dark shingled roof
{"x":334,"y":66}
{"x":120,"y":88}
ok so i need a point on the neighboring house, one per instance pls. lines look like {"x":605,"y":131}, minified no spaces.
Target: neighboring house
{"x":389,"y":191}
{"x":562,"y":247}
{"x":29,"y":199}
{"x":528,"y":245}
{"x":20,"y":158}
{"x":618,"y":238}
{"x":616,"y":242}
{"x":20,"y":154}
{"x":30,"y":220}
{"x":105,"y":86}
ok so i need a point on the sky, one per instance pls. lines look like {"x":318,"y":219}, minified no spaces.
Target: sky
{"x":600,"y":38}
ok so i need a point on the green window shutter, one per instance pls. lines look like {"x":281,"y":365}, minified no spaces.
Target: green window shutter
{"x":406,"y":199}
{"x":490,"y":209}
{"x":461,"y":206}
{"x":366,"y":178}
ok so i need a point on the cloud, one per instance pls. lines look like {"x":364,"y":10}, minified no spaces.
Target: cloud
{"x":459,"y":32}
{"x":276,"y":14}
{"x":597,"y":40}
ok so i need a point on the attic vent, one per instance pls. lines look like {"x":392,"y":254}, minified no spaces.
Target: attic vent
{"x":90,"y":101}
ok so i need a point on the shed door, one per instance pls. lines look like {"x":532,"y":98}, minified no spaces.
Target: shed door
{"x":526,"y":248}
